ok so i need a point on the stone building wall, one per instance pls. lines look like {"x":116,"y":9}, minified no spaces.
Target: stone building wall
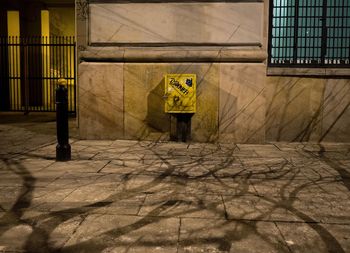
{"x":126,"y":48}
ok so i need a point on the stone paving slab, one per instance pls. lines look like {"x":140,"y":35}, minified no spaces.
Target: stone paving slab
{"x":142,"y":196}
{"x":198,"y":235}
{"x":115,"y":233}
{"x":185,"y":205}
{"x":301,"y":188}
{"x":315,"y":238}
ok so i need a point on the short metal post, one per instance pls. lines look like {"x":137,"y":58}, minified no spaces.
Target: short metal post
{"x":63,"y":150}
{"x":183,"y":126}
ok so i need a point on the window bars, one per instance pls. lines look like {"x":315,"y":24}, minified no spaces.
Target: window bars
{"x":309,"y":33}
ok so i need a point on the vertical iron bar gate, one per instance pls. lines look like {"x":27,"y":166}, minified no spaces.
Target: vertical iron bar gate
{"x":30,"y":68}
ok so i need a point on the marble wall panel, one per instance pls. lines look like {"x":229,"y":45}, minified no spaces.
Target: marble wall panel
{"x":101,"y":101}
{"x":176,"y":22}
{"x":336,"y":111}
{"x":144,"y":105}
{"x":242,"y":103}
{"x":235,"y":103}
{"x":294,"y":108}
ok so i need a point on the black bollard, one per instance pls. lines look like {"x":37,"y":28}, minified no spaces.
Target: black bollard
{"x":63,"y":150}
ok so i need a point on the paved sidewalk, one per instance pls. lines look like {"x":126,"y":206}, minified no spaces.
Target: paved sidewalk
{"x":131,"y":196}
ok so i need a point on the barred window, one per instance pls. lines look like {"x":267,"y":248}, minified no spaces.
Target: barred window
{"x":309,"y":33}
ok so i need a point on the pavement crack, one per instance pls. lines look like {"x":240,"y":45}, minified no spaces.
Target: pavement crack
{"x":178,"y":235}
{"x":92,"y":157}
{"x":47,"y":166}
{"x":274,"y":144}
{"x":254,"y":188}
{"x":83,"y":218}
{"x":141,"y":205}
{"x":56,"y":178}
{"x":236,"y":146}
{"x":284,"y":239}
{"x":104,"y":166}
{"x":223,"y":203}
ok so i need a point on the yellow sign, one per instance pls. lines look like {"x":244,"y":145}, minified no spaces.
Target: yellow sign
{"x":180,"y":93}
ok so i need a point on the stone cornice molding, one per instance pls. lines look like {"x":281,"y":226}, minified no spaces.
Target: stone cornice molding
{"x":174,"y":54}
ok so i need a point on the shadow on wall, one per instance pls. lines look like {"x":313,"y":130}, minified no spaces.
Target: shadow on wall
{"x":307,"y":109}
{"x":293,"y":110}
{"x":227,"y":116}
{"x":240,"y":121}
{"x":204,"y":123}
{"x":156,"y":118}
{"x":242,"y":113}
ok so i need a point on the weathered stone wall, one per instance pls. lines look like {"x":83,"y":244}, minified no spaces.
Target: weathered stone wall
{"x":127,"y":48}
{"x":236,"y":103}
{"x":307,"y":109}
{"x":125,"y":100}
{"x":242,"y":103}
{"x":175,"y":22}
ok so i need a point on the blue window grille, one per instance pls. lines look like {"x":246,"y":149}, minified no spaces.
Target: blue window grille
{"x":309,"y":33}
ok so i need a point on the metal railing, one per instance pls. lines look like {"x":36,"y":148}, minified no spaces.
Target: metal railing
{"x":30,"y":68}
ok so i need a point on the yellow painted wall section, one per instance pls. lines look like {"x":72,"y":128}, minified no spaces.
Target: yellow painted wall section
{"x":62,"y":23}
{"x":48,"y":93}
{"x":45,"y":23}
{"x":13,"y":23}
{"x":13,"y":28}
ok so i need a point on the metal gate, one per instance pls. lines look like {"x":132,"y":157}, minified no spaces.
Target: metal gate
{"x":29,"y":70}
